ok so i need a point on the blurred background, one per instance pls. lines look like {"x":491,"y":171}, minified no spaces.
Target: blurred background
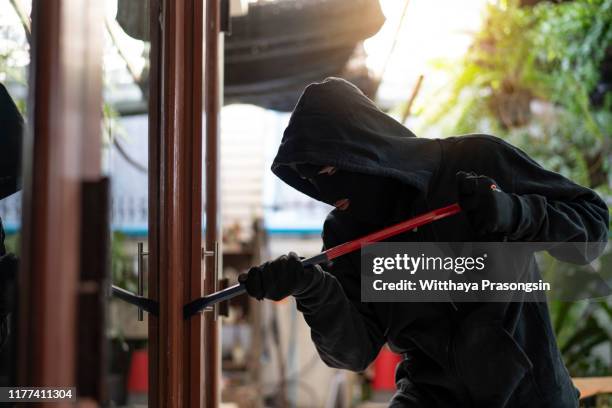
{"x":536,"y":73}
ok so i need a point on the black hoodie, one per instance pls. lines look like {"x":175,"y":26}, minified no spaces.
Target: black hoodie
{"x":482,"y":355}
{"x":11,"y":129}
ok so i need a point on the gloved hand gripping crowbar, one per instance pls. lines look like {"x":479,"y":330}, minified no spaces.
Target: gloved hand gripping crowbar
{"x":202,"y":303}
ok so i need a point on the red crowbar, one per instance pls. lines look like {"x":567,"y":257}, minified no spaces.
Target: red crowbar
{"x":200,"y":304}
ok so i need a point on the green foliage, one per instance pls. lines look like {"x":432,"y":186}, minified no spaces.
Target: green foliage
{"x":122,"y":264}
{"x":12,"y":242}
{"x":548,"y":56}
{"x":528,"y":78}
{"x":571,"y":40}
{"x":14,"y":59}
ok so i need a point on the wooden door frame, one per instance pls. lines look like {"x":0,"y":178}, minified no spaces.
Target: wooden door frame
{"x":62,"y":150}
{"x":213,"y":75}
{"x":155,"y":10}
{"x":175,"y":202}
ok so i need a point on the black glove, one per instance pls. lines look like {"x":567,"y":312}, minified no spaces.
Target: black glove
{"x":277,"y":279}
{"x":487,"y":207}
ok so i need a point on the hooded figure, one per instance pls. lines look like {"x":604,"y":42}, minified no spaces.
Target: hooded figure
{"x":11,"y":129}
{"x":341,"y":149}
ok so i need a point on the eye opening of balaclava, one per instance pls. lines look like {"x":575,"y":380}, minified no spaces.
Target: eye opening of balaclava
{"x":367,"y":197}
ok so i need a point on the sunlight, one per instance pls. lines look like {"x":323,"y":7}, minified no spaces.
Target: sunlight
{"x":431,"y":30}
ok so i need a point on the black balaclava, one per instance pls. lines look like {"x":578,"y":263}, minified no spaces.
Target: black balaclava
{"x":372,"y":199}
{"x":11,"y":129}
{"x":378,"y":164}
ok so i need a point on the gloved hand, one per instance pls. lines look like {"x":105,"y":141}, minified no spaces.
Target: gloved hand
{"x":487,"y":207}
{"x":277,"y":279}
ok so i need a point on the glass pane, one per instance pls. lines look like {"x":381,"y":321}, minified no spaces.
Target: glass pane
{"x":14,"y":61}
{"x":125,"y":161}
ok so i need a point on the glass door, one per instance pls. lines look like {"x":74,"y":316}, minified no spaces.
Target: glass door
{"x":127,"y":87}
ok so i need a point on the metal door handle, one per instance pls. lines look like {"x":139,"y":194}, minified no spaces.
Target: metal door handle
{"x":215,"y":254}
{"x":141,"y":255}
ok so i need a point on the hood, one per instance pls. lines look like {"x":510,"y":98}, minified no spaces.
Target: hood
{"x":335,"y":124}
{"x":11,"y":129}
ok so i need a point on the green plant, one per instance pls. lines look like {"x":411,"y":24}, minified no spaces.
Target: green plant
{"x":549,"y":56}
{"x":13,"y":243}
{"x":529,"y":78}
{"x":122,"y":265}
{"x":14,"y":59}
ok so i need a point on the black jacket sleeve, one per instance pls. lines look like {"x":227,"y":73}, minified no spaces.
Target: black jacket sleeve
{"x":11,"y":130}
{"x":345,"y":331}
{"x":552,"y":208}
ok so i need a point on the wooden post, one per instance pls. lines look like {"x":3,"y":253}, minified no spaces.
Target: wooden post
{"x":212,"y":100}
{"x":61,"y":150}
{"x":155,"y":115}
{"x":175,"y":203}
